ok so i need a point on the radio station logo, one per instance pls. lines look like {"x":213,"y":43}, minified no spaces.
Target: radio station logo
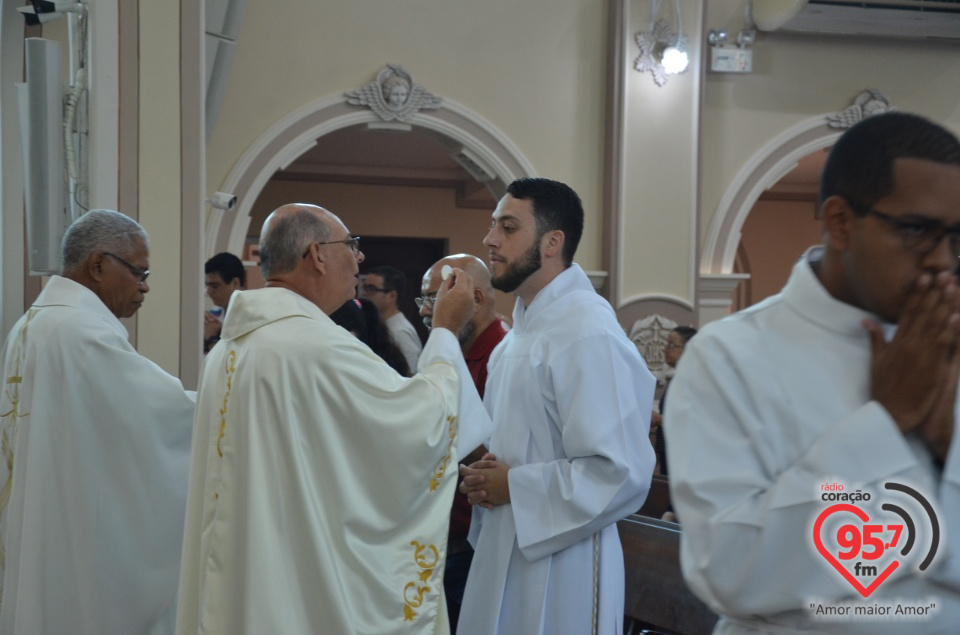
{"x":866,"y":547}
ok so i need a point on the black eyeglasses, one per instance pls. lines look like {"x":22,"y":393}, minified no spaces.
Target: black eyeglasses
{"x":920,"y":235}
{"x":427,"y":301}
{"x":369,"y":288}
{"x":141,"y":274}
{"x":353,"y":243}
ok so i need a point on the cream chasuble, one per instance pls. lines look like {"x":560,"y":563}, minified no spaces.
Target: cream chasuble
{"x":321,"y":480}
{"x":97,"y":440}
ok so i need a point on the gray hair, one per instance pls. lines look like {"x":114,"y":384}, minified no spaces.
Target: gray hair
{"x":283,"y":244}
{"x":99,"y":230}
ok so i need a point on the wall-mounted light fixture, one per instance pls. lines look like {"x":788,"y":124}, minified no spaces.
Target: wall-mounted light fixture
{"x":726,"y":57}
{"x":663,"y":49}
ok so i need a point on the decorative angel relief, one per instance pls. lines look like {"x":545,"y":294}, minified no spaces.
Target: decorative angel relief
{"x":394,"y":96}
{"x":869,"y":102}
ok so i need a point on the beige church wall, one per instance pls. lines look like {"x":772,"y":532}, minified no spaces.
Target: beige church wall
{"x":417,"y":212}
{"x":534,"y":70}
{"x":158,"y":322}
{"x":797,"y":77}
{"x":775,"y":236}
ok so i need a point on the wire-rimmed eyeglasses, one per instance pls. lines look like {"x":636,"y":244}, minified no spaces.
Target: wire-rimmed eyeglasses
{"x":353,"y":243}
{"x":426,"y":301}
{"x":141,"y":274}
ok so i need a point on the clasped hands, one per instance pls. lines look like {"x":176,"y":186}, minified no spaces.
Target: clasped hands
{"x":915,"y":375}
{"x":485,"y":482}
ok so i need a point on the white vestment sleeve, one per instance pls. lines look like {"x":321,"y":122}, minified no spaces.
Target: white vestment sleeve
{"x":95,"y":516}
{"x":475,"y":425}
{"x":604,"y":396}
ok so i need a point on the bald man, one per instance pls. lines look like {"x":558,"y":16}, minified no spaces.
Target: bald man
{"x":483,"y":332}
{"x":321,"y":480}
{"x":478,"y":338}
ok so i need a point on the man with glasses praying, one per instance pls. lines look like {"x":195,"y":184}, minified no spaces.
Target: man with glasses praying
{"x":383,"y":286}
{"x":96,"y":444}
{"x":848,"y":376}
{"x":321,"y":479}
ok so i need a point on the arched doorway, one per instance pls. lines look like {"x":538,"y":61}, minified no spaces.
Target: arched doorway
{"x":718,"y":273}
{"x":294,"y":135}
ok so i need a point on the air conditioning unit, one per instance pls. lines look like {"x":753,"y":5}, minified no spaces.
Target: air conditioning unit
{"x":933,"y":19}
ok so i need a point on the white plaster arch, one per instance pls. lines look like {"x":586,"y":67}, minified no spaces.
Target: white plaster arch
{"x":296,"y":133}
{"x":765,"y":167}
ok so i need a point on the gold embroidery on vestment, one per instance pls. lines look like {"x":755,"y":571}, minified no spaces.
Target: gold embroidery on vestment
{"x":230,"y":367}
{"x":11,"y":422}
{"x":426,"y":557}
{"x":442,"y":466}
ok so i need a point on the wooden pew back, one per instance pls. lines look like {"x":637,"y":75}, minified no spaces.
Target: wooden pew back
{"x":656,"y":595}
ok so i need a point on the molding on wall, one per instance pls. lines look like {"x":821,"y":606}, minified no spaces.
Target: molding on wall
{"x":597,"y":279}
{"x":12,"y":251}
{"x":717,"y":288}
{"x":293,"y":135}
{"x":128,"y":118}
{"x":127,"y":125}
{"x":613,"y":148}
{"x":192,"y":179}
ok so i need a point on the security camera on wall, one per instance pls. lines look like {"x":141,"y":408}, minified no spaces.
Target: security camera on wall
{"x":223,"y":200}
{"x":41,"y":11}
{"x":41,"y":135}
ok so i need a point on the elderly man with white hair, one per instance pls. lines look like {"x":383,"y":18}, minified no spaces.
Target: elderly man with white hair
{"x":95,"y":443}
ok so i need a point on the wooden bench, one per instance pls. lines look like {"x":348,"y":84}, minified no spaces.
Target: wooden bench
{"x":657,"y":598}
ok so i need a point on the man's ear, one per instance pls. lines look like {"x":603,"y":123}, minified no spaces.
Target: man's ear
{"x":837,"y":219}
{"x":94,"y":265}
{"x":317,"y":259}
{"x":553,"y":243}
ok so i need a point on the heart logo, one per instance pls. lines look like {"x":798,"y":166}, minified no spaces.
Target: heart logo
{"x":852,"y":537}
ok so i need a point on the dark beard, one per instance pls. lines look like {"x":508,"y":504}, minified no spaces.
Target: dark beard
{"x":516,"y":274}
